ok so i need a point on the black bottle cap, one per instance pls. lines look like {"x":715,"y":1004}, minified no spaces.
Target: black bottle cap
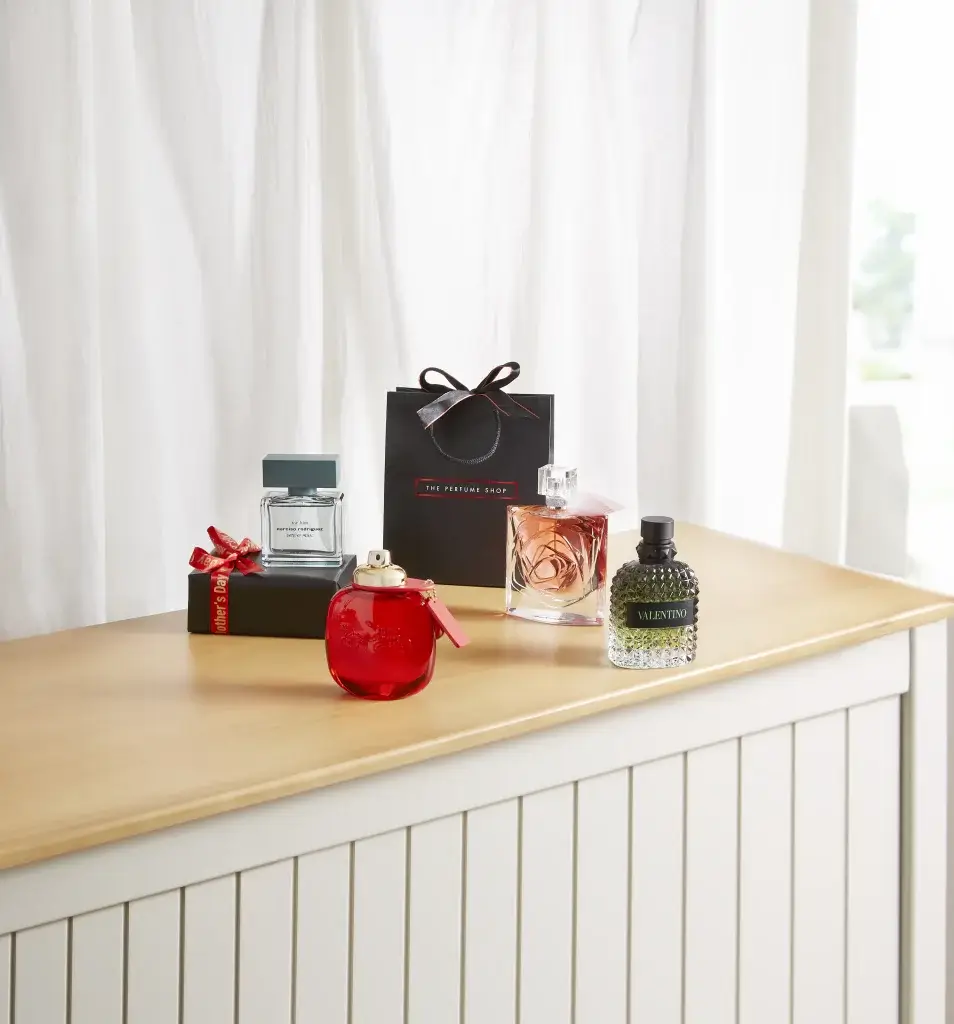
{"x":657,"y":529}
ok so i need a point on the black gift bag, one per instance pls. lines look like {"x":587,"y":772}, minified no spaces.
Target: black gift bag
{"x":454,"y":458}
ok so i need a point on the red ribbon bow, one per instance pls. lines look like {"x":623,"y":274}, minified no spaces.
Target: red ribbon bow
{"x":227,"y":554}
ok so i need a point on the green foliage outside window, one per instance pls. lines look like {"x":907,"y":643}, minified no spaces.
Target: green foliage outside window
{"x":884,"y":284}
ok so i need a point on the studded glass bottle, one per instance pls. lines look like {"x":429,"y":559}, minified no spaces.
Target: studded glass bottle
{"x":653,"y":604}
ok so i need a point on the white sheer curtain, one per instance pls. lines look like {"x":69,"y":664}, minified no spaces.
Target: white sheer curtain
{"x":780,"y":104}
{"x":228,"y":228}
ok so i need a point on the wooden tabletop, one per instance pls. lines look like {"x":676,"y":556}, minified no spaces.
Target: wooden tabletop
{"x":115,"y":730}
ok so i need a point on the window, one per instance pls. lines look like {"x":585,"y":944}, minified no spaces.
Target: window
{"x":901,"y":343}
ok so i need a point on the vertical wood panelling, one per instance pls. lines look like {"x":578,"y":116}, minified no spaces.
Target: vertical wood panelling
{"x":754,"y":881}
{"x":378,"y":940}
{"x":657,"y":892}
{"x":322,"y":960}
{"x":265,"y":944}
{"x":765,"y":877}
{"x":435,"y":850}
{"x":152,"y":969}
{"x":6,"y":949}
{"x":40,"y":981}
{"x":602,"y":904}
{"x":818,"y":982}
{"x":874,"y":815}
{"x":208,"y":959}
{"x":490,"y":922}
{"x":96,"y":989}
{"x":546,"y":914}
{"x":712,"y":790}
{"x":927,"y":715}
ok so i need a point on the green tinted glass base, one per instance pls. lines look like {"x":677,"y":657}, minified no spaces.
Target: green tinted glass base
{"x":659,"y":655}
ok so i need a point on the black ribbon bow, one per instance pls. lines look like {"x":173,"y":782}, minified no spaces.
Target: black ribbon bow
{"x":490,"y":388}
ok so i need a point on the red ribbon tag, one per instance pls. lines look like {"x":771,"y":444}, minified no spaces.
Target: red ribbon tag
{"x":441,"y":614}
{"x":443,"y":617}
{"x":227,"y":554}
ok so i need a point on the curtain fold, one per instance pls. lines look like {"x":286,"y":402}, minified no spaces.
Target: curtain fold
{"x":229,"y":228}
{"x":815,"y":503}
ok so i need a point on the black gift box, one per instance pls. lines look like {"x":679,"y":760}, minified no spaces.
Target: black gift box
{"x":276,"y":602}
{"x":445,"y":504}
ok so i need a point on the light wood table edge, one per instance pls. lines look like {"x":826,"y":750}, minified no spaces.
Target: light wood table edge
{"x":91,"y":834}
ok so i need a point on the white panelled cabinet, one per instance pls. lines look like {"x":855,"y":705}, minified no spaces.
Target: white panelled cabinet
{"x":205,"y":830}
{"x":765,"y":850}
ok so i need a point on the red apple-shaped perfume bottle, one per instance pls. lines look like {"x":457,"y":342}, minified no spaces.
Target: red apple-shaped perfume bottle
{"x":382,"y":631}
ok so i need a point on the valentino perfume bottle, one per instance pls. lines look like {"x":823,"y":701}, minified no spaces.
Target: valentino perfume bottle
{"x":556,"y":554}
{"x":381,"y":632}
{"x":654,"y":604}
{"x":301,"y":522}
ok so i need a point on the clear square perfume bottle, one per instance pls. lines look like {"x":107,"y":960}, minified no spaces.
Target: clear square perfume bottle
{"x":556,"y":554}
{"x":301,"y":517}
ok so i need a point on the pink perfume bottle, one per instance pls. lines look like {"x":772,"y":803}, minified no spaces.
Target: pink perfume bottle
{"x":556,"y":553}
{"x":381,"y":632}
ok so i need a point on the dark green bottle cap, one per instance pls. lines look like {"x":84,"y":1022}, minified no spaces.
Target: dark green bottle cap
{"x":300,"y":471}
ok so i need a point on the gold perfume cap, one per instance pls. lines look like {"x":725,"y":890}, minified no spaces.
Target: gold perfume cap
{"x":379,"y":571}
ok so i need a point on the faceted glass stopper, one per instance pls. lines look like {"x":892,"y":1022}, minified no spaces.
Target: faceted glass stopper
{"x":557,"y":484}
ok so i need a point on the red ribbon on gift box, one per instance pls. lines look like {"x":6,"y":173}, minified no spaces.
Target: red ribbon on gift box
{"x":227,"y":554}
